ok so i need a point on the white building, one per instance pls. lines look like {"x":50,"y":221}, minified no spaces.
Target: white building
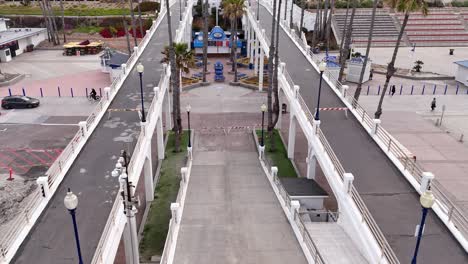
{"x":14,"y":41}
{"x":462,"y":72}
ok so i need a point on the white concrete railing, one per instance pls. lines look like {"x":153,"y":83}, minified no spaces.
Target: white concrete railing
{"x":447,"y":210}
{"x":110,"y":238}
{"x":23,"y":223}
{"x":371,"y":238}
{"x":311,"y":252}
{"x":177,"y":209}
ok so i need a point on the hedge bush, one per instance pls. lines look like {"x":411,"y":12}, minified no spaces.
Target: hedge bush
{"x":148,"y":7}
{"x":460,"y":3}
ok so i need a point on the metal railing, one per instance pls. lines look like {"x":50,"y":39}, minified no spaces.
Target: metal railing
{"x":307,"y":239}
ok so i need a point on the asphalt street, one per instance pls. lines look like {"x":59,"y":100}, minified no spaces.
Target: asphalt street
{"x":52,"y":240}
{"x":393,"y":202}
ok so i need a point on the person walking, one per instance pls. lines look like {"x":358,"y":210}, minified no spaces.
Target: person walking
{"x":433,"y":104}
{"x":371,"y":74}
{"x":393,"y":89}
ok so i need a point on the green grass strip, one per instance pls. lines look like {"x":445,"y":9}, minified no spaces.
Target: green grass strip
{"x":157,"y":224}
{"x":279,"y":157}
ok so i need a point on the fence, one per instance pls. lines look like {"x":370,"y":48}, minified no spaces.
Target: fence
{"x":60,"y":91}
{"x":416,"y":90}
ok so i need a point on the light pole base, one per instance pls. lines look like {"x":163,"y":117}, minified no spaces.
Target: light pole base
{"x":189,"y":153}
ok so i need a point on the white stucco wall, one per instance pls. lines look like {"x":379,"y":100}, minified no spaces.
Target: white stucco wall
{"x":462,"y":75}
{"x":22,"y":43}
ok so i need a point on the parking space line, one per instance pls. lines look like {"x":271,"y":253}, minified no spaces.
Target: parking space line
{"x":52,"y":158}
{"x":13,"y":164}
{"x":21,"y":157}
{"x":37,"y":157}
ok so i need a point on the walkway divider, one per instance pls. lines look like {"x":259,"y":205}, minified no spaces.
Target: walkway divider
{"x":445,"y":208}
{"x":21,"y":225}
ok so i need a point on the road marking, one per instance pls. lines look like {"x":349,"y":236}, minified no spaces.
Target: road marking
{"x":54,"y":124}
{"x":37,"y":157}
{"x":19,"y":156}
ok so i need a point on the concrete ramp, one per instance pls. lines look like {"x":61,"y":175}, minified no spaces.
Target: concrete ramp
{"x":334,"y":244}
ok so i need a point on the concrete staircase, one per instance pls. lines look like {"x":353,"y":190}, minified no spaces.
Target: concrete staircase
{"x":334,"y":244}
{"x":385,"y":32}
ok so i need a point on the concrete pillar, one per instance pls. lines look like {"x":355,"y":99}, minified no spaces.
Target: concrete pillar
{"x":280,"y":115}
{"x":184,"y":174}
{"x":296,"y":91}
{"x":308,"y":50}
{"x":348,"y":182}
{"x":160,"y":138}
{"x":292,"y":136}
{"x":135,"y":50}
{"x":247,"y":30}
{"x":311,"y":163}
{"x":375,"y":127}
{"x":168,"y":111}
{"x":295,"y":205}
{"x":344,"y":90}
{"x":256,"y":56}
{"x":189,"y":153}
{"x":43,"y":183}
{"x":260,"y":78}
{"x":148,"y":172}
{"x":176,"y":34}
{"x":156,"y":92}
{"x":174,"y":211}
{"x":124,"y":68}
{"x":274,"y":171}
{"x":107,"y":93}
{"x":261,"y":154}
{"x":426,"y":180}
{"x":83,"y":128}
{"x":315,"y":126}
{"x":252,"y":46}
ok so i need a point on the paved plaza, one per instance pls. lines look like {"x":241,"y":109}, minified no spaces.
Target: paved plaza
{"x":438,"y":149}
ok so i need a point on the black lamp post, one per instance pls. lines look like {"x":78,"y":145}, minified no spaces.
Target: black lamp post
{"x":140,"y":70}
{"x":189,"y":131}
{"x":427,"y":200}
{"x":263,"y":108}
{"x":322,"y":67}
{"x":258,"y":9}
{"x":71,"y":202}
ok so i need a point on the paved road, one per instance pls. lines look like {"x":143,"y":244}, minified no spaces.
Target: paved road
{"x":391,"y":200}
{"x":231,"y":213}
{"x":52,"y":240}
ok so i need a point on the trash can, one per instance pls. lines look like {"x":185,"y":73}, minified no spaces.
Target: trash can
{"x":451,"y":51}
{"x":251,"y":66}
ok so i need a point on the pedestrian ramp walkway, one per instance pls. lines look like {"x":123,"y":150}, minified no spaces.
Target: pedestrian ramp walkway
{"x":231,"y":214}
{"x":334,"y":244}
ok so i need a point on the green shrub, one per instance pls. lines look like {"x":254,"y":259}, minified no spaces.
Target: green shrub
{"x":148,"y":7}
{"x":460,"y":3}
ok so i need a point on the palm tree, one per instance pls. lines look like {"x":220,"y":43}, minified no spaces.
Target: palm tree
{"x":369,"y":42}
{"x":132,"y":14}
{"x":406,"y":6}
{"x":347,"y":44}
{"x":275,"y":77}
{"x":175,"y":84}
{"x":316,"y":24}
{"x":344,"y":28}
{"x":234,"y":10}
{"x":325,"y":16}
{"x":139,"y":18}
{"x":184,"y":58}
{"x":271,"y":65}
{"x":205,"y":39}
{"x":291,"y":15}
{"x":124,"y":22}
{"x":63,"y":22}
{"x":328,"y":25}
{"x":303,"y":6}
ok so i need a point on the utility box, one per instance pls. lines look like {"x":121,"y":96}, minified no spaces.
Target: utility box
{"x":354,"y":70}
{"x":5,"y":55}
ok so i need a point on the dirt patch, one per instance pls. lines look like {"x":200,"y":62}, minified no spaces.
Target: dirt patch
{"x":12,"y":194}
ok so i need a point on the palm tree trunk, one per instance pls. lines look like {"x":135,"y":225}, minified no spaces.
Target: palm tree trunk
{"x":369,"y":42}
{"x":124,"y":21}
{"x":347,"y":42}
{"x":271,"y":54}
{"x":302,"y":15}
{"x":174,"y":83}
{"x":63,"y":22}
{"x":275,"y":76}
{"x":344,"y":29}
{"x":285,"y":8}
{"x":234,"y":47}
{"x":328,"y":27}
{"x":132,"y":14}
{"x":139,"y":19}
{"x":391,"y":66}
{"x":316,"y":24}
{"x":205,"y":39}
{"x":291,"y":24}
{"x":46,"y":21}
{"x":54,"y":24}
{"x":325,"y":16}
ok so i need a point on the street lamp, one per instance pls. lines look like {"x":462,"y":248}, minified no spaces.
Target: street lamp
{"x":427,"y":200}
{"x":322,"y":67}
{"x":71,"y":202}
{"x":263,"y":108}
{"x":258,"y":10}
{"x":188,"y":107}
{"x":140,"y":70}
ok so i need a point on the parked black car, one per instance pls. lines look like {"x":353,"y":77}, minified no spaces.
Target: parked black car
{"x":19,"y":101}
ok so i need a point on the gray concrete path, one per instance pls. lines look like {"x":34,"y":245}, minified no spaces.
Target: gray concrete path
{"x":393,"y":203}
{"x":52,"y":240}
{"x":231,"y":213}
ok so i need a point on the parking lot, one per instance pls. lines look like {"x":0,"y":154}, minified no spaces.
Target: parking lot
{"x":30,"y":141}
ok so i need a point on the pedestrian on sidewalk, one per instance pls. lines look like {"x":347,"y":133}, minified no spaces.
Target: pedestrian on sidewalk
{"x":393,"y":89}
{"x":433,"y":104}
{"x":371,"y":74}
